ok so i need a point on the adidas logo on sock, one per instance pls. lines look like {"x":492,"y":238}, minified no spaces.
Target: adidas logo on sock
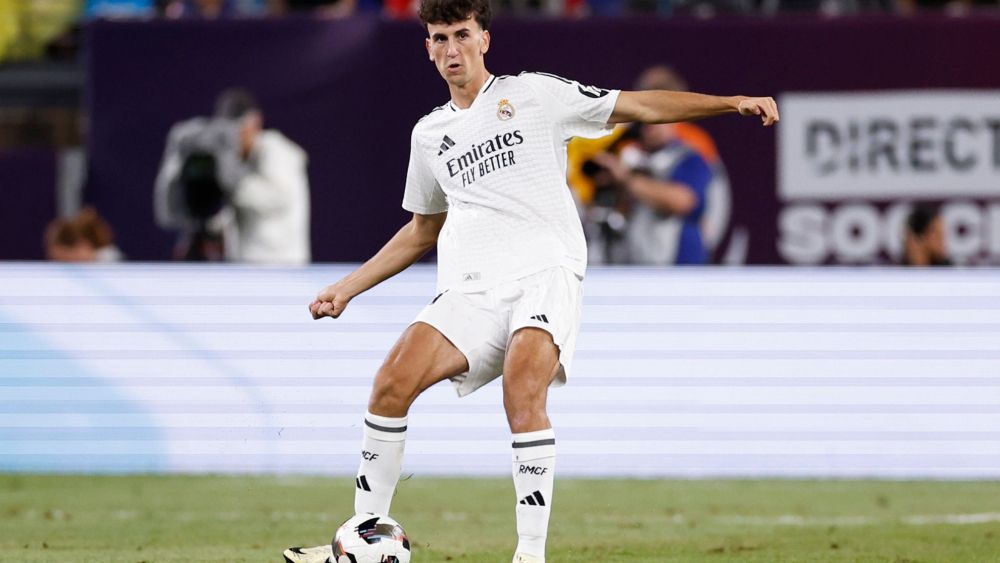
{"x":362,"y":483}
{"x":542,"y":318}
{"x":534,"y":499}
{"x":446,"y":144}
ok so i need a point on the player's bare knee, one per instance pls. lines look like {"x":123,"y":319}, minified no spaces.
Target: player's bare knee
{"x":393,"y":393}
{"x":518,"y":421}
{"x":527,"y":419}
{"x":536,"y":341}
{"x":527,"y":389}
{"x":388,"y":404}
{"x":391,"y":406}
{"x":533,"y":356}
{"x":523,"y":406}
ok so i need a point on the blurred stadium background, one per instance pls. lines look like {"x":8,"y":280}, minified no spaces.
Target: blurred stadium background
{"x":800,"y":350}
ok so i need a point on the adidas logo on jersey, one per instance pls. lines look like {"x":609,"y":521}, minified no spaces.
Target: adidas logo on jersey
{"x":534,"y":499}
{"x":542,"y":318}
{"x":446,"y":144}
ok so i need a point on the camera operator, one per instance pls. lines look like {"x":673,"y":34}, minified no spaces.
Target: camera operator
{"x":662,"y":189}
{"x":605,"y":215}
{"x":233,"y":189}
{"x":606,"y":204}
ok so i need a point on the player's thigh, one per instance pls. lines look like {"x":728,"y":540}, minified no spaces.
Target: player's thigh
{"x":476,"y":325}
{"x":420,"y":358}
{"x":544,"y":321}
{"x":531,"y":364}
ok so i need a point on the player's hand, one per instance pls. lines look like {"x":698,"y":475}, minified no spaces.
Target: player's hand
{"x":766,"y":108}
{"x":330,"y":302}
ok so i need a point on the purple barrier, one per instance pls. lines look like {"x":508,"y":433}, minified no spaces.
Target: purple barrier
{"x":349,"y":92}
{"x":28,"y":188}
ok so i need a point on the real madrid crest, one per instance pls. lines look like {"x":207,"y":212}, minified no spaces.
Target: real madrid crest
{"x":505,"y":111}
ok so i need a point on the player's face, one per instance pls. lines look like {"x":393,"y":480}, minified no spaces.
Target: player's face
{"x":457,"y":50}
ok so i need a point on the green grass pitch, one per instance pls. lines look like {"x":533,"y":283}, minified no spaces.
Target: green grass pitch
{"x":231,"y":519}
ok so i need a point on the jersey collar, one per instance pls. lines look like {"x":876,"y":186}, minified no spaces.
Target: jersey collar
{"x":486,"y":86}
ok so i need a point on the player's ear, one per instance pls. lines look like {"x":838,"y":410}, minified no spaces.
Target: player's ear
{"x":427,"y":45}
{"x":484,"y":42}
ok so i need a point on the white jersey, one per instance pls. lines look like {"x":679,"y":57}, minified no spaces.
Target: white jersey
{"x":499,"y":169}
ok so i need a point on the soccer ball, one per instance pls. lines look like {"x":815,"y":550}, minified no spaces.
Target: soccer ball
{"x":370,"y":538}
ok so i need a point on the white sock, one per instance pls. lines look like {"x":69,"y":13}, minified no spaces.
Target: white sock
{"x":534,"y":465}
{"x":381,"y":463}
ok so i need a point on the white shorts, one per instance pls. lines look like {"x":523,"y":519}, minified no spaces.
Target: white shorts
{"x":481,"y":324}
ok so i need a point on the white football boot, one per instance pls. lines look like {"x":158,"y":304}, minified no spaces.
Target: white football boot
{"x":525,"y":558}
{"x":318,"y":554}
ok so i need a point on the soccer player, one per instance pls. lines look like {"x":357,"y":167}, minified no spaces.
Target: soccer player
{"x":487,"y":184}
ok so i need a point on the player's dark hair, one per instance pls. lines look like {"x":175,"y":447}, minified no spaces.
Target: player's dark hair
{"x":920,"y":219}
{"x":454,"y":11}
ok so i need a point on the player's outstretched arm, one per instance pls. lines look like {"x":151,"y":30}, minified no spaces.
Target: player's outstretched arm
{"x":406,"y":247}
{"x":662,"y":106}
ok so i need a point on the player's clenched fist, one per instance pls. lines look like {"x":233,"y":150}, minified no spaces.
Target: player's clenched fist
{"x":766,"y":108}
{"x":330,"y":302}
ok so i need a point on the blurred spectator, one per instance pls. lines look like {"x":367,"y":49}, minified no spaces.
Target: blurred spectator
{"x":540,"y":7}
{"x":325,"y":8}
{"x":828,"y":8}
{"x":119,"y":8}
{"x":400,"y":9}
{"x":663,"y":185}
{"x":83,"y":238}
{"x":178,"y":9}
{"x":28,"y":27}
{"x":206,"y":9}
{"x":924,"y":243}
{"x":98,"y":232}
{"x":598,"y":192}
{"x":697,"y":8}
{"x":234,"y":189}
{"x":718,"y":199}
{"x":64,"y":242}
{"x":949,"y":7}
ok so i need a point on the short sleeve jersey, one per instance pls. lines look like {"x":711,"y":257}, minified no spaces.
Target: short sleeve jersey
{"x":498,"y":168}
